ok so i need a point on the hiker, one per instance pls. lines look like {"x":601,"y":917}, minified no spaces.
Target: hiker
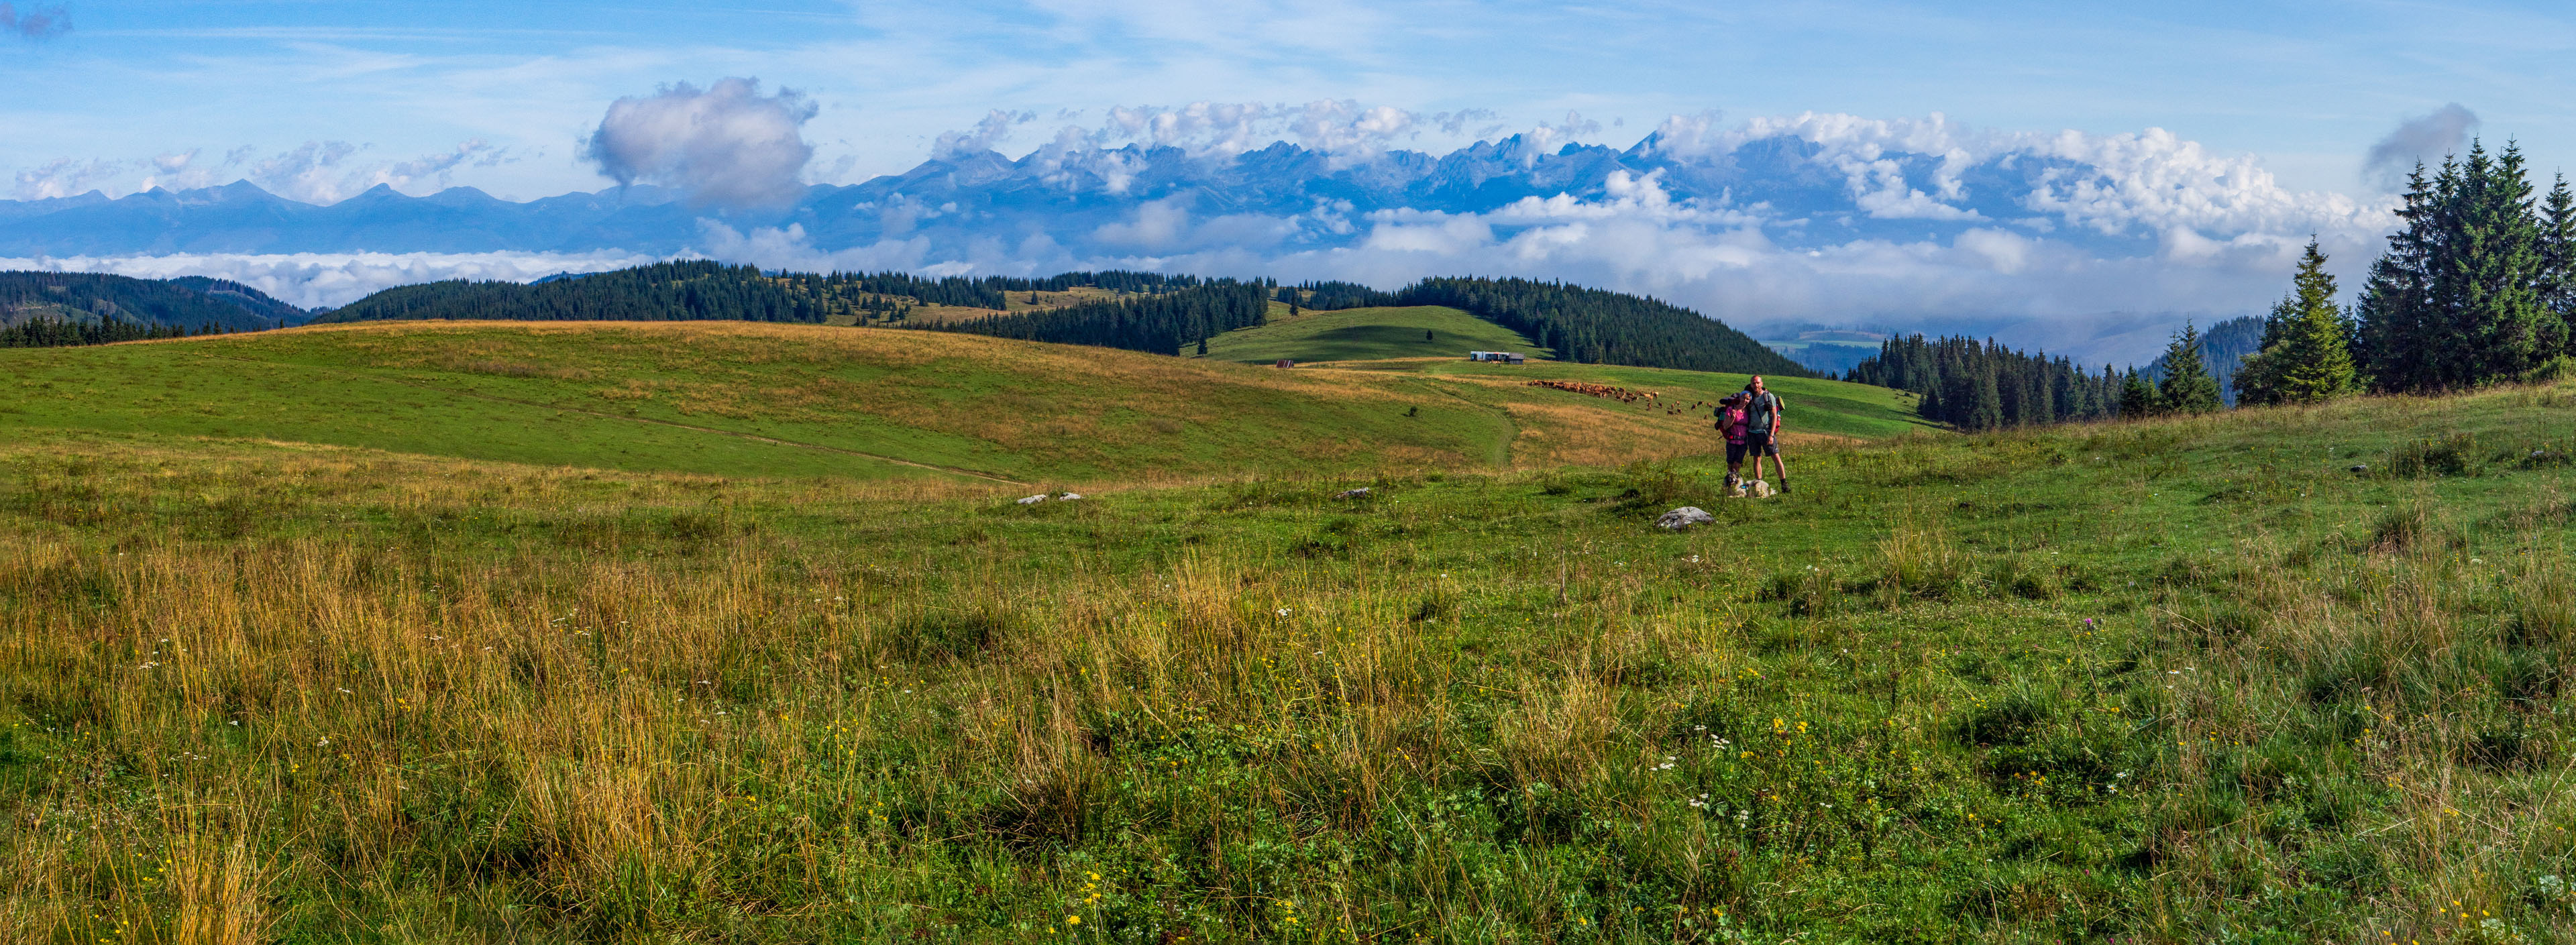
{"x":1762,"y":428}
{"x":1732,"y":422}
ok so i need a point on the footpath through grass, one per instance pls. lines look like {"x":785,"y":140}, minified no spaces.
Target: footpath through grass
{"x":2178,"y":681}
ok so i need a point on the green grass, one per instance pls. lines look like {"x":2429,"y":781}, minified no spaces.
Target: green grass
{"x":1363,"y":334}
{"x":784,"y":400}
{"x":2176,"y":681}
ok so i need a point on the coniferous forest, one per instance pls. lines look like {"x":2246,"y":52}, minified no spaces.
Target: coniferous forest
{"x":705,"y":290}
{"x":191,"y":303}
{"x":64,"y":333}
{"x":1160,"y":323}
{"x":1986,"y":386}
{"x":2479,"y":283}
{"x":1328,"y":296}
{"x":1593,"y":326}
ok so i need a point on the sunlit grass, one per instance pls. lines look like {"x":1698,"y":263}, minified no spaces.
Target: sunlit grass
{"x":2184,"y":682}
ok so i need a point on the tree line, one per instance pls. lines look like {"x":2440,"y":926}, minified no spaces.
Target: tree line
{"x":1594,"y":326}
{"x":1159,"y":313}
{"x":1984,"y":386}
{"x":1333,"y":296}
{"x":1160,"y":323}
{"x":2478,"y":285}
{"x":702,"y":290}
{"x":188,"y":302}
{"x":66,"y":333}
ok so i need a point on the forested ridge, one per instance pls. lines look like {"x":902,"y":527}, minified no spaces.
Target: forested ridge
{"x":1593,"y":326}
{"x":192,"y":303}
{"x":705,"y":290}
{"x":1160,"y":323}
{"x":1155,"y":312}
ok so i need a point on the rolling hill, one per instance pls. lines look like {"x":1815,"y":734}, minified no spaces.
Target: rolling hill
{"x":741,"y":398}
{"x":191,"y":302}
{"x":1358,"y":334}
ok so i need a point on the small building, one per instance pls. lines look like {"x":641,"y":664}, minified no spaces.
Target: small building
{"x":1503,"y":357}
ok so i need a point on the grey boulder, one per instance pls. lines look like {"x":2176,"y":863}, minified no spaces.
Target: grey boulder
{"x":1684,"y":517}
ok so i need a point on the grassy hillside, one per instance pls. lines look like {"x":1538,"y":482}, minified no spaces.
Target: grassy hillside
{"x":733,"y":398}
{"x":2181,"y":681}
{"x":1359,"y":334}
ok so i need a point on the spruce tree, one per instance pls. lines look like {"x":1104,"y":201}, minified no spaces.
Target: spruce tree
{"x":2137,"y":397}
{"x":2557,"y":282}
{"x":2495,"y":273}
{"x":2306,"y":356}
{"x":2187,"y":386}
{"x":2397,"y":300}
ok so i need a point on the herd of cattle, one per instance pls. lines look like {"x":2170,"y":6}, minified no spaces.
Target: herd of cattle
{"x":1620,"y":394}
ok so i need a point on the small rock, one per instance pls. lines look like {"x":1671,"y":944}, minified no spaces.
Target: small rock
{"x":1033,"y":500}
{"x":1684,"y":517}
{"x":1359,"y":493}
{"x":1069,"y":497}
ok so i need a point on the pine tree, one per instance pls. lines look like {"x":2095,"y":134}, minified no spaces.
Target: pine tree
{"x":2187,"y":386}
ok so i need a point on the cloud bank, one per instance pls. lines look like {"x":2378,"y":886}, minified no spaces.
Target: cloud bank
{"x":313,"y":280}
{"x":316,"y":172}
{"x":725,"y":146}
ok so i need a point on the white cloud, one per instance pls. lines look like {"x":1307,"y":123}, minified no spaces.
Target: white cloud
{"x":317,"y":172}
{"x":64,"y":177}
{"x":726,"y":146}
{"x":986,"y":134}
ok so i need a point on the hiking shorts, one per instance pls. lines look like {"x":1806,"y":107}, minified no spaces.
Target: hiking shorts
{"x":1735,"y":452}
{"x":1757,"y":442}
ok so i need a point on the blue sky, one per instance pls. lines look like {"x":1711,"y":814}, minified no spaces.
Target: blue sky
{"x":2305,"y":87}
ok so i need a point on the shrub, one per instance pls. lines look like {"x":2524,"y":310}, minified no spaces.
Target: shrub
{"x":2433,"y":456}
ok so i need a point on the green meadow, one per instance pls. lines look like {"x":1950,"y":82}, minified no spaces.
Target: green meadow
{"x":744,"y":399}
{"x":2183,"y":680}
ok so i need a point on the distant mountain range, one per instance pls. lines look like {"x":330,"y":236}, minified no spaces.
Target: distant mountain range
{"x":1086,"y":203}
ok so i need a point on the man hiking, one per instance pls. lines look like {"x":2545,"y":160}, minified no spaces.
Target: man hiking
{"x":1762,"y":429}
